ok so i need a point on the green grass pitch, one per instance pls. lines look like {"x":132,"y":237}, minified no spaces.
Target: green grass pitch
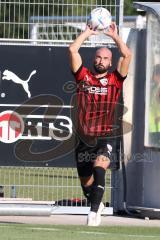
{"x":56,"y":232}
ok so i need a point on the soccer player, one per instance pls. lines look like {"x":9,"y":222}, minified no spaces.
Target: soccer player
{"x":98,"y":92}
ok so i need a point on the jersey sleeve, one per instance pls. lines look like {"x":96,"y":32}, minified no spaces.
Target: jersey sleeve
{"x":118,"y":79}
{"x":81,"y":73}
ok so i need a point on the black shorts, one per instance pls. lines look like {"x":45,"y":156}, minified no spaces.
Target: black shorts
{"x":89,"y":149}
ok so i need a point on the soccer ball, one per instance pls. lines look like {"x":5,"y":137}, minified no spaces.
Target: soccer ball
{"x":99,"y":19}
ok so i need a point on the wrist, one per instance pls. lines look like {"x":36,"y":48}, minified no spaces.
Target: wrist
{"x":116,"y":37}
{"x":86,"y":33}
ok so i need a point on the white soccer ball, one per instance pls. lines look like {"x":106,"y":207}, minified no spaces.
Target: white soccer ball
{"x":100,"y":19}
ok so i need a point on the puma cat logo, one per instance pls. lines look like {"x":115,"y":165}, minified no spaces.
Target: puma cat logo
{"x":10,"y":76}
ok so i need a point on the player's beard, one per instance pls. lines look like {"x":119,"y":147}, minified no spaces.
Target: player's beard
{"x":99,"y":68}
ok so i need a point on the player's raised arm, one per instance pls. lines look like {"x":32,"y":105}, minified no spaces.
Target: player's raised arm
{"x":75,"y":58}
{"x":124,"y":61}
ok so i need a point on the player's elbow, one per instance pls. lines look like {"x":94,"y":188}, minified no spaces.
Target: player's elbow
{"x":72,"y":49}
{"x":128,"y":53}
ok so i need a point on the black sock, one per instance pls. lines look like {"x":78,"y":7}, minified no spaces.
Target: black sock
{"x":87,"y":192}
{"x":98,"y":188}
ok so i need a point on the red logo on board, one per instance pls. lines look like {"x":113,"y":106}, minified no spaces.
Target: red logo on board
{"x":11,"y":126}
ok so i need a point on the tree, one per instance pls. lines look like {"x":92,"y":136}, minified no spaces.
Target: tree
{"x":128,"y":8}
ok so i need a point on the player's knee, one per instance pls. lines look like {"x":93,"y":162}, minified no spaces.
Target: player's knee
{"x":102,"y":161}
{"x":86,"y":181}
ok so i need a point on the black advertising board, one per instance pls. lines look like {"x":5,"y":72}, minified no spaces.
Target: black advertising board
{"x":32,"y":84}
{"x":36,"y":93}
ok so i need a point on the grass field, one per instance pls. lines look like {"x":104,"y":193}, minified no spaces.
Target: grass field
{"x":56,"y":232}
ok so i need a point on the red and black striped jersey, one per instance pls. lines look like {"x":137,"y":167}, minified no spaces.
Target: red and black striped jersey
{"x":96,"y":99}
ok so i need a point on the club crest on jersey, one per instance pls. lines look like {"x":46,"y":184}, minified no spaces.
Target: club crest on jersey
{"x":86,"y":78}
{"x":104,"y":81}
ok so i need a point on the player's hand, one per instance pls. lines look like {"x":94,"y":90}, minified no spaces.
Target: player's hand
{"x":90,"y":31}
{"x":112,"y":30}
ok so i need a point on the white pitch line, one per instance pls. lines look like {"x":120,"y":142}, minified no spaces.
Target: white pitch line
{"x":125,"y":235}
{"x":45,"y":229}
{"x":96,"y":233}
{"x":87,"y":232}
{"x":32,"y":228}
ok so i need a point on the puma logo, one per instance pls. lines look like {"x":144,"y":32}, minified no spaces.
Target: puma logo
{"x":10,"y":76}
